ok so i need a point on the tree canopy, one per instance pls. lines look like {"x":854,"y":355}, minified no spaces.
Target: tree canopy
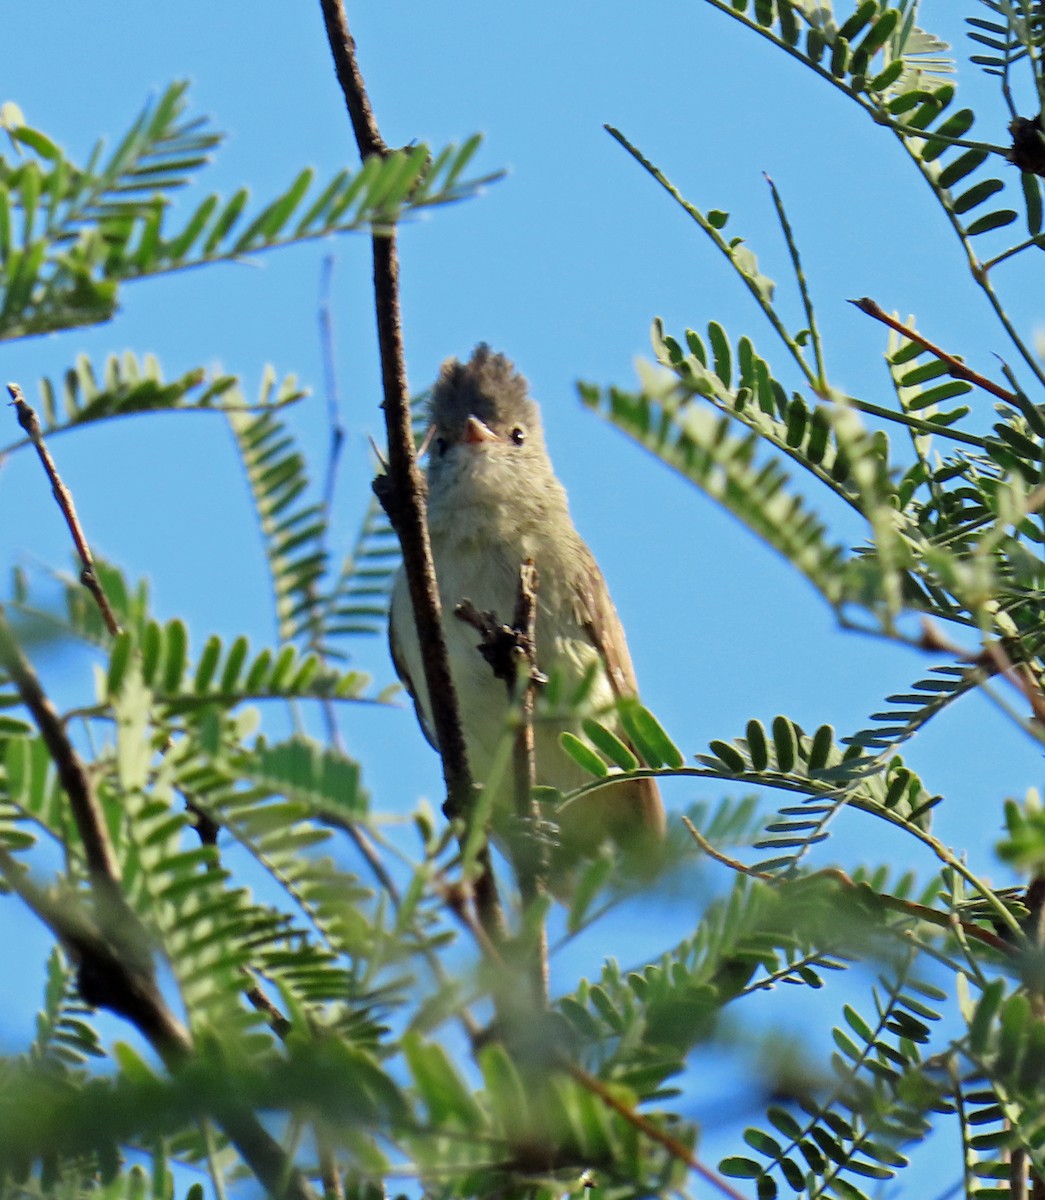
{"x":316,"y":1003}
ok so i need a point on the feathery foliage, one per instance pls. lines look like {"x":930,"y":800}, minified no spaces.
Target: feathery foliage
{"x":301,"y":992}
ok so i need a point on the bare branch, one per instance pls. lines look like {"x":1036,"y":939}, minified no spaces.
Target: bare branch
{"x":531,"y":862}
{"x":511,"y":651}
{"x":90,"y":822}
{"x":106,"y":979}
{"x":401,"y":490}
{"x":343,"y":48}
{"x":955,"y":366}
{"x":29,"y":421}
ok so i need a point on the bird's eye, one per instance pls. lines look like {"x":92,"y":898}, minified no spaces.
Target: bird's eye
{"x":518,"y":435}
{"x":439,"y":446}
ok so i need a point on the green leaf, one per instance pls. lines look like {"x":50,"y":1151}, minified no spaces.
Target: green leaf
{"x":737,"y":1167}
{"x":119,"y":660}
{"x":784,"y":743}
{"x":608,"y":744}
{"x":304,"y":771}
{"x":583,"y":755}
{"x":995,"y":220}
{"x":647,"y":735}
{"x":449,"y":1102}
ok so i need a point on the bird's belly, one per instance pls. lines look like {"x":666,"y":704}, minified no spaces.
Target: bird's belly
{"x":564,"y":654}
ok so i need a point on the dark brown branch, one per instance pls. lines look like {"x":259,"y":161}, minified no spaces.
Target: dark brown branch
{"x":114,"y":962}
{"x":346,"y":65}
{"x":28,"y":420}
{"x":499,"y":644}
{"x":106,"y":979}
{"x":401,"y":490}
{"x":102,"y":865}
{"x":955,"y":366}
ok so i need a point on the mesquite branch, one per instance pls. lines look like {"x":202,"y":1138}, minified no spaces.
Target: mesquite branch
{"x":401,"y":489}
{"x":29,"y":421}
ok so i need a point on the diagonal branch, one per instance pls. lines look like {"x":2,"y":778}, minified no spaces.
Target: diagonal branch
{"x":955,"y":367}
{"x":102,"y":865}
{"x":29,"y":421}
{"x":114,"y":962}
{"x":106,"y":978}
{"x":907,"y":908}
{"x":651,"y":1130}
{"x":401,"y":490}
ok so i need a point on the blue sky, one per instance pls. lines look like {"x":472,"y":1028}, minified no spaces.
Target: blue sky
{"x":563,"y":265}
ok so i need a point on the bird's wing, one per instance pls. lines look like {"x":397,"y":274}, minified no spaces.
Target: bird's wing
{"x":640,"y":803}
{"x":600,"y":622}
{"x":401,"y":610}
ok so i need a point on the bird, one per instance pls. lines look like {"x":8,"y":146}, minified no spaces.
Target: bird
{"x":494,"y":502}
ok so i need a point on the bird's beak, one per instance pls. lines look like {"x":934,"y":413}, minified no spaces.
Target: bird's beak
{"x":476,"y":432}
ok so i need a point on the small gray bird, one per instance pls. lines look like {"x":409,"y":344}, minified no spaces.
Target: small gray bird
{"x":493,"y":502}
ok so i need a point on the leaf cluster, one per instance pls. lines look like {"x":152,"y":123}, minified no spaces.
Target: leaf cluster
{"x":319,"y":953}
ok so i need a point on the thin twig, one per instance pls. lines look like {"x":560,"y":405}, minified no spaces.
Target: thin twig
{"x":29,"y":421}
{"x":1017,"y":1170}
{"x":346,"y":66}
{"x":907,"y":908}
{"x":532,"y":860}
{"x":712,"y":852}
{"x":645,"y":1126}
{"x":1020,"y":676}
{"x":401,"y":490}
{"x":366,"y":849}
{"x":511,"y":652}
{"x":525,"y":765}
{"x":333,"y":1187}
{"x":992,"y":658}
{"x":278,"y":1021}
{"x":457,"y":901}
{"x":800,"y":276}
{"x":955,"y":366}
{"x":337,"y":428}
